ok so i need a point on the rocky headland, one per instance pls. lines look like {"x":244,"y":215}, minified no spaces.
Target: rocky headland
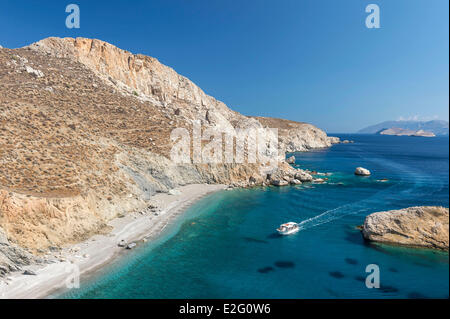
{"x":85,"y":137}
{"x":425,"y":226}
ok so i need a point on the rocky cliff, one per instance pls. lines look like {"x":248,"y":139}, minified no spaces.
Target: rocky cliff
{"x":85,"y":137}
{"x":413,"y":226}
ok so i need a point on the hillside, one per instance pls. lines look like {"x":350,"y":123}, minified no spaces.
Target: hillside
{"x":85,"y":137}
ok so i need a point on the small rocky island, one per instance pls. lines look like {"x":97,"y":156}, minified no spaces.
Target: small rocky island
{"x":405,"y":132}
{"x":424,"y":226}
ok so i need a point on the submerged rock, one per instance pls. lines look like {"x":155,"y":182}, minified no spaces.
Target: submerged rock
{"x":425,"y":226}
{"x":361,"y":171}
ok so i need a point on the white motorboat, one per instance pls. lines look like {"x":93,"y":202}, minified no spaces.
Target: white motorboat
{"x":288,"y":228}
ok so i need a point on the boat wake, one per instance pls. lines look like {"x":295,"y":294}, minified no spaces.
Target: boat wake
{"x":412,"y":184}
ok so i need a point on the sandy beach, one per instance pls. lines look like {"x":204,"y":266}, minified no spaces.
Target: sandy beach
{"x":89,"y":256}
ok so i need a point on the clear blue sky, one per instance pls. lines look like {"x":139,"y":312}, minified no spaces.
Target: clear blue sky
{"x":304,"y":60}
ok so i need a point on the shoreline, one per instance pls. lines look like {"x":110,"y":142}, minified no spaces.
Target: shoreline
{"x":100,"y":250}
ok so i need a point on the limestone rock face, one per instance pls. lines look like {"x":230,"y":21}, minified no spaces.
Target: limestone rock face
{"x":144,"y":77}
{"x":149,"y":80}
{"x":425,"y":226}
{"x":361,"y":171}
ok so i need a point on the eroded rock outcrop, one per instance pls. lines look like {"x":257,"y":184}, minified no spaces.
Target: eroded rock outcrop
{"x":425,"y":226}
{"x":12,"y":257}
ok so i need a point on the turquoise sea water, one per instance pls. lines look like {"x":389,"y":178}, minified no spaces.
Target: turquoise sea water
{"x":226,"y":246}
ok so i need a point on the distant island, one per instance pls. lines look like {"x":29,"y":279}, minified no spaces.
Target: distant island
{"x":408,"y":128}
{"x":405,"y":132}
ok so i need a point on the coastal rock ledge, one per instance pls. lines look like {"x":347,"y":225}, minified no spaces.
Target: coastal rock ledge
{"x":424,"y":226}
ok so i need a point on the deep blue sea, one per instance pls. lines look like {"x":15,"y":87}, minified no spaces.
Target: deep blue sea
{"x":226,"y":246}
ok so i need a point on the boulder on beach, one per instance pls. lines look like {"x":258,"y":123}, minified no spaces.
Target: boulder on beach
{"x":424,"y":226}
{"x":122,"y":243}
{"x":291,"y":160}
{"x":295,"y":182}
{"x":361,"y":171}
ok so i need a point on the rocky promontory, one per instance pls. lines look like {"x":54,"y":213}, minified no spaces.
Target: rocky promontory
{"x":424,"y":226}
{"x":297,"y":136}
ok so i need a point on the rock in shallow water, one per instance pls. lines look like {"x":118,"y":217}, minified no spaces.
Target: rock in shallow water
{"x":361,"y":171}
{"x":425,"y":226}
{"x":303,"y":176}
{"x":279,"y":182}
